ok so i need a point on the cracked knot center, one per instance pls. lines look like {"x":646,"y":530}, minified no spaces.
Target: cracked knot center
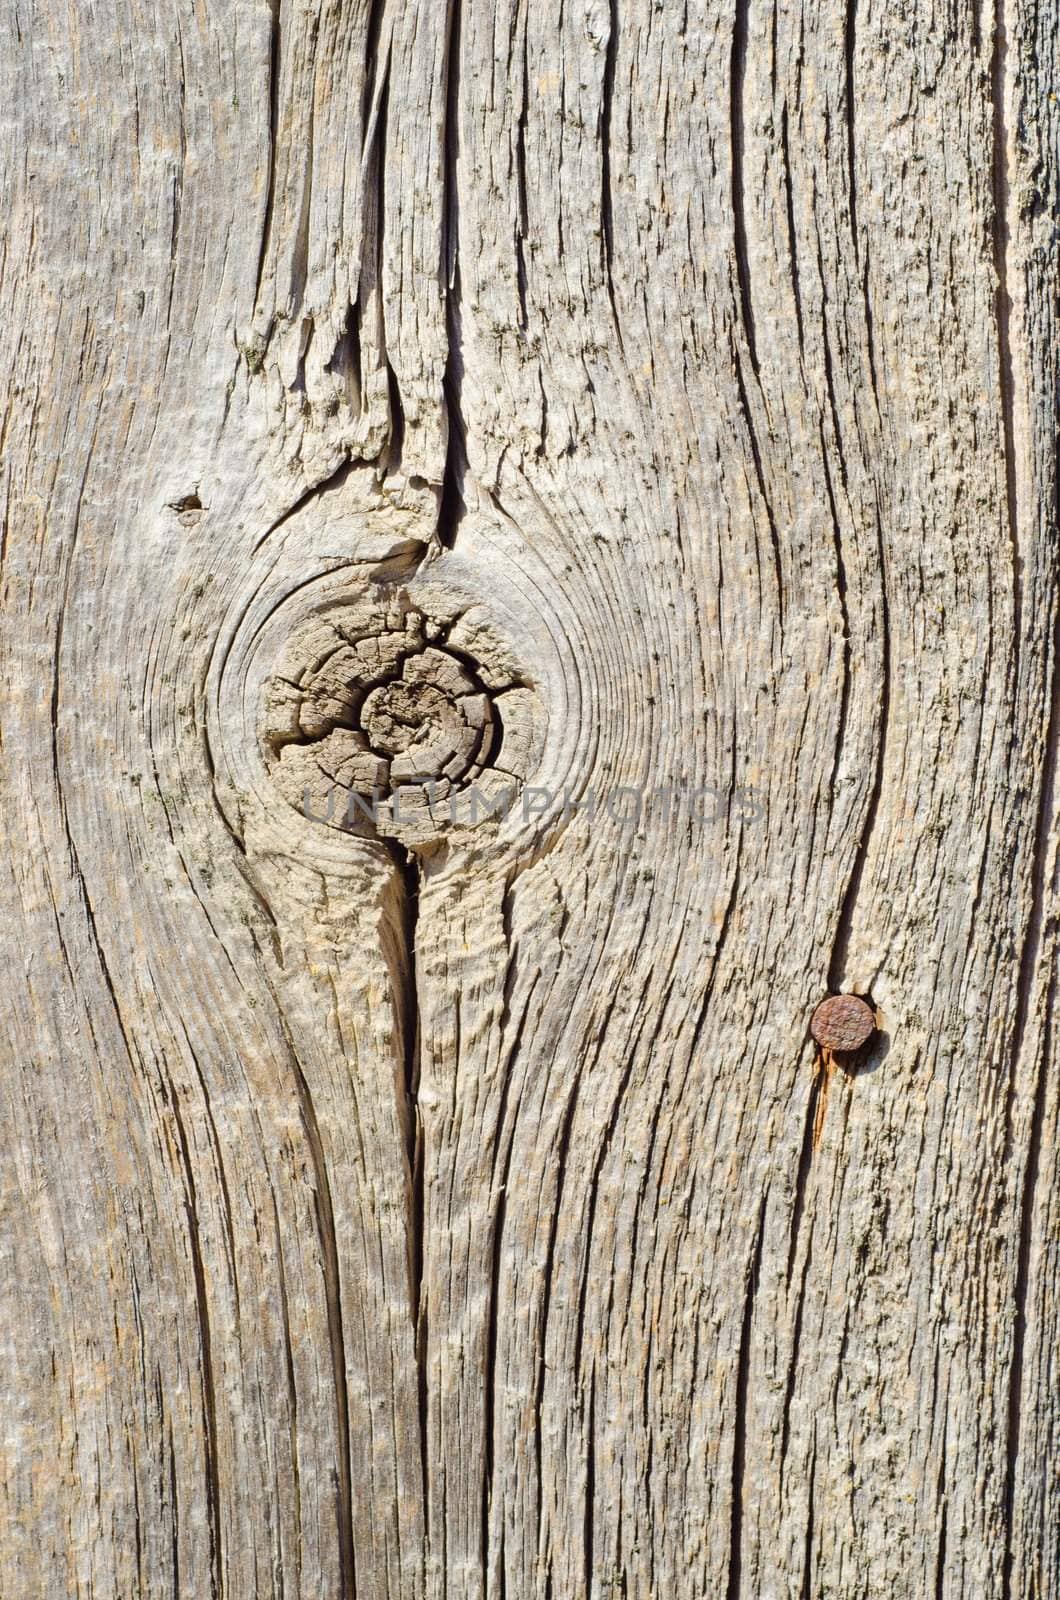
{"x":376,"y":701}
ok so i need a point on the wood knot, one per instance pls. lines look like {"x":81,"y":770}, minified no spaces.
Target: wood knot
{"x":382,"y":719}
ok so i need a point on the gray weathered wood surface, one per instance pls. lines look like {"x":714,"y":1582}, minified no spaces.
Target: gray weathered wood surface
{"x":432,"y":1210}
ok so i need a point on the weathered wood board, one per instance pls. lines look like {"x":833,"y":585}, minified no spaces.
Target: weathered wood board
{"x":643,"y":417}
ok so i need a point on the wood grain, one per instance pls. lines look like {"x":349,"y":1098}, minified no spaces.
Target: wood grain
{"x":434,"y":1210}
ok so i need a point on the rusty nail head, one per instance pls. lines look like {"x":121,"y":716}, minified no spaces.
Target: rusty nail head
{"x":843,"y":1022}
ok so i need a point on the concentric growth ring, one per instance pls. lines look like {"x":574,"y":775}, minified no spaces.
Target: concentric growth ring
{"x":378,"y":722}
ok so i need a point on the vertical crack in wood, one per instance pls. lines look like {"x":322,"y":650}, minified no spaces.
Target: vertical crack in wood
{"x":547,"y":1281}
{"x":336,"y":1338}
{"x":806,"y":1592}
{"x":202,"y":1316}
{"x":940,"y":1556}
{"x":870,"y":330}
{"x":452,"y":507}
{"x":178,"y":177}
{"x":498,"y":1219}
{"x":522,"y":222}
{"x":375,"y":105}
{"x":408,"y":872}
{"x":273,"y":131}
{"x":849,"y":39}
{"x":829,"y":384}
{"x":861,"y":262}
{"x":739,"y":1428}
{"x":348,"y":358}
{"x":300,"y":251}
{"x":737,"y":74}
{"x":756,"y":457}
{"x":590,"y":1486}
{"x":380,"y":119}
{"x":607,"y":219}
{"x":841,"y":592}
{"x":1003,"y":308}
{"x":793,"y":1367}
{"x":489,"y":1377}
{"x":793,"y":254}
{"x":292,"y":1381}
{"x":175,"y":1513}
{"x":374,"y":80}
{"x":841,"y":943}
{"x":803,"y":1173}
{"x":396,"y":441}
{"x":450,"y":231}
